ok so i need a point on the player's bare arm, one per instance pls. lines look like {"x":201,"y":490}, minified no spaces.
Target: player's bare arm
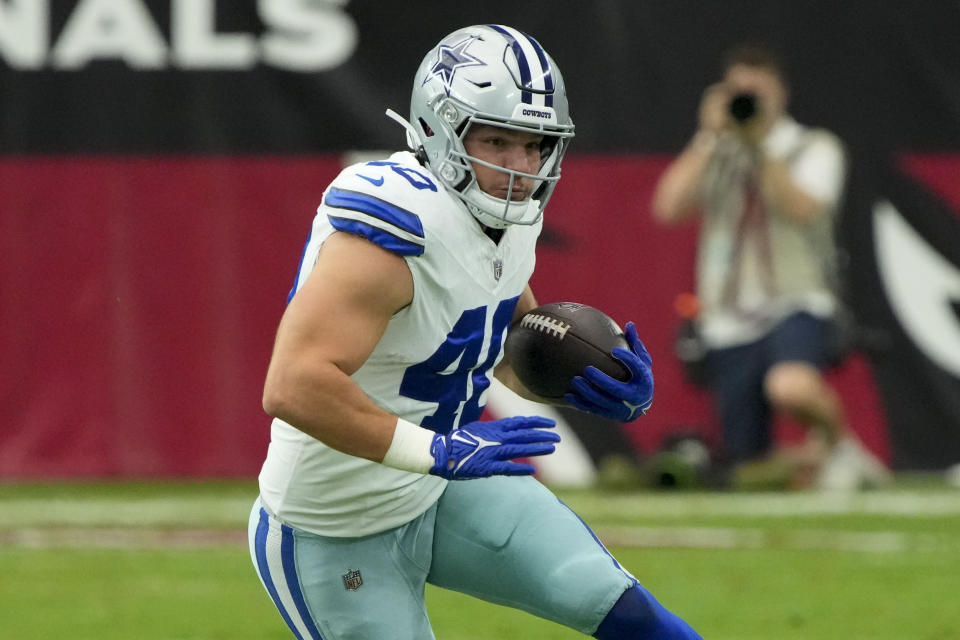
{"x":328,"y":331}
{"x":788,"y":197}
{"x":676,"y":196}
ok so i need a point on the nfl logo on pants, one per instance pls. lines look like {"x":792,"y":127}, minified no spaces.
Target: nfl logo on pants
{"x":352,"y":580}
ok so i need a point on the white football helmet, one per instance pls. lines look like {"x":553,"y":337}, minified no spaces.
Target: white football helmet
{"x":493,"y":75}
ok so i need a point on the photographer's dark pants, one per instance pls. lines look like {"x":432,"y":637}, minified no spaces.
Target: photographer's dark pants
{"x":736,"y":377}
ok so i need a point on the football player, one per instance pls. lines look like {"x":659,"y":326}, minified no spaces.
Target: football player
{"x":379,"y":477}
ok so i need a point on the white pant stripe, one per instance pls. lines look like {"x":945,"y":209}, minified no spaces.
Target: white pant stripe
{"x":272,"y":550}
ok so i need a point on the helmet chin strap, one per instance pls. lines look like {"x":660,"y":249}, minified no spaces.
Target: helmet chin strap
{"x":481,"y":204}
{"x":413,"y":140}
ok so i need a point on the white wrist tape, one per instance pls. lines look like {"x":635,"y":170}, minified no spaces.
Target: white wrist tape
{"x":410,"y":448}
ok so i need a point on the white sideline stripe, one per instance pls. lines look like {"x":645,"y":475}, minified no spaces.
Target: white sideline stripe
{"x":202,"y":512}
{"x":775,"y":505}
{"x":121,"y":538}
{"x":802,"y":539}
{"x":180,"y":512}
{"x":612,"y":536}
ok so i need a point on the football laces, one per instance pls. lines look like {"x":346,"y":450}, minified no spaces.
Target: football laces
{"x":545,"y":324}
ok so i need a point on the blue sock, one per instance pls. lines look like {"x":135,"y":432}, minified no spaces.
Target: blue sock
{"x":638,"y":616}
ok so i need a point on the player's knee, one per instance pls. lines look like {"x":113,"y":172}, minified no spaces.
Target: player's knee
{"x":638,"y":615}
{"x":792,"y":386}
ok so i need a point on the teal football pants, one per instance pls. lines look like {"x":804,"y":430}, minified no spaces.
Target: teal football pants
{"x":504,"y":540}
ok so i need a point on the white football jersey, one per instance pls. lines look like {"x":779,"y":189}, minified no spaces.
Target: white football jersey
{"x":433,"y":364}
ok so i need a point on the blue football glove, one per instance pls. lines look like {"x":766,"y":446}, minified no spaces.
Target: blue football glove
{"x":481,"y":449}
{"x":596,"y":392}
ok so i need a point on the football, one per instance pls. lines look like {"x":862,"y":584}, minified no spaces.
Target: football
{"x":555,"y":342}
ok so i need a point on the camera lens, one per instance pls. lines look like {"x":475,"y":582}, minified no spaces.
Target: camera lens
{"x":743,"y":107}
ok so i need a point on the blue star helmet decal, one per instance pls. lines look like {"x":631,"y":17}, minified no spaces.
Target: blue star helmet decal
{"x":449,"y":59}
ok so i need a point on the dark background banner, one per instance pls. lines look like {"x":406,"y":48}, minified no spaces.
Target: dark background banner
{"x":160,"y":163}
{"x":234,"y":76}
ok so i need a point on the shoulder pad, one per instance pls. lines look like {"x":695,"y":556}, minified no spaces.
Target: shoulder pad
{"x":383,"y":223}
{"x":383,"y":201}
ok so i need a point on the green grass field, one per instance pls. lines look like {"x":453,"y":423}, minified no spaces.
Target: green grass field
{"x":169,"y":560}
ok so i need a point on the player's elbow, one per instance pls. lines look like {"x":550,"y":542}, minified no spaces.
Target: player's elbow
{"x":805,"y":210}
{"x":271,"y":401}
{"x":670,"y":208}
{"x":275,"y":401}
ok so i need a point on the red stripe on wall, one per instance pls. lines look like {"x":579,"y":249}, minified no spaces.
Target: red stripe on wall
{"x":940,"y":172}
{"x":139,"y":298}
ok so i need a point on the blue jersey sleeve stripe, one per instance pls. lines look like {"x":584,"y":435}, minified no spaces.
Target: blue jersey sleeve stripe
{"x":380,"y":209}
{"x":377,"y":236}
{"x":296,"y":279}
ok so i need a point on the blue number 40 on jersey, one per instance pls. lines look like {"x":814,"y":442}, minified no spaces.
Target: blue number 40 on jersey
{"x":428,"y":381}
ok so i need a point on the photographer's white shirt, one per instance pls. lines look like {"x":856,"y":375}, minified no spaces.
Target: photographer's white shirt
{"x":751,"y":274}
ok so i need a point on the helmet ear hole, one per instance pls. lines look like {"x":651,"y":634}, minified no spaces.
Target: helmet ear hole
{"x":426,"y":128}
{"x":547,"y":146}
{"x":460,"y":186}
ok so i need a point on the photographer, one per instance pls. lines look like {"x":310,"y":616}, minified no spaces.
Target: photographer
{"x":768,"y":190}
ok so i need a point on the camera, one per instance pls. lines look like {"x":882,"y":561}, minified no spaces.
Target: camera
{"x":743,"y":107}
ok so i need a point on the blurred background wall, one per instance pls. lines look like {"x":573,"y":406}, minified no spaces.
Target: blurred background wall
{"x":161,"y":160}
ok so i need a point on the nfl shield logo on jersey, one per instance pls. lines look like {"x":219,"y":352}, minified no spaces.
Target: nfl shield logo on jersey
{"x":352,"y":580}
{"x":497,"y":269}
